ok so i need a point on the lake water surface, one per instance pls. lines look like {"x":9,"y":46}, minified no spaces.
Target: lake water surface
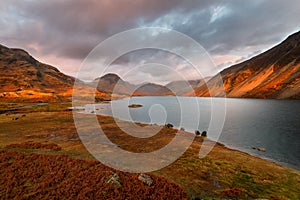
{"x":270,"y":124}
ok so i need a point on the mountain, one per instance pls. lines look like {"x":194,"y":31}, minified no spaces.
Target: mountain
{"x":151,"y":89}
{"x":113,"y":84}
{"x":23,"y":76}
{"x":273,"y":74}
{"x":182,"y":87}
{"x":19,"y":71}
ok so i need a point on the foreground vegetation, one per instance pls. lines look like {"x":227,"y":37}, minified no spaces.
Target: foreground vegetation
{"x":40,"y":176}
{"x":224,"y":173}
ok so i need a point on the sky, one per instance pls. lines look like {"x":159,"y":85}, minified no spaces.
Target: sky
{"x":63,"y":32}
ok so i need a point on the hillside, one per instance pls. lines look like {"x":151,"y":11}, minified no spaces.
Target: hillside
{"x":22,"y":76}
{"x":151,"y":89}
{"x":113,"y":84}
{"x":182,"y":87}
{"x":108,"y":83}
{"x":273,"y":74}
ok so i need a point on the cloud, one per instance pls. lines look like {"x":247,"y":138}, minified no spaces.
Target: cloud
{"x":62,"y":33}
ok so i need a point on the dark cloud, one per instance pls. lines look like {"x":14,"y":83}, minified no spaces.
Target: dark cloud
{"x":64,"y":32}
{"x":153,"y":64}
{"x":244,"y":24}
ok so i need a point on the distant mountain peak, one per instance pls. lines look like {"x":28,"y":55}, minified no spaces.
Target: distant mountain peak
{"x":112,"y":83}
{"x":111,"y":75}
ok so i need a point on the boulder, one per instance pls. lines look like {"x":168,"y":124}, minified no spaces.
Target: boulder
{"x":135,"y":106}
{"x":261,"y":149}
{"x":114,"y":179}
{"x":145,"y":179}
{"x":197,"y":132}
{"x":169,"y":125}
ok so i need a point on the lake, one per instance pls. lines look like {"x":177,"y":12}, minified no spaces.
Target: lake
{"x":249,"y":123}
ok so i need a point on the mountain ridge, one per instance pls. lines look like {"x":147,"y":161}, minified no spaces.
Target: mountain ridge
{"x":113,"y":84}
{"x":274,"y":74}
{"x":23,"y":76}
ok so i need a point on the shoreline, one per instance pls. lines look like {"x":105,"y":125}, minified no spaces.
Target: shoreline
{"x":230,"y":147}
{"x":283,"y":164}
{"x":222,"y":170}
{"x":233,"y":135}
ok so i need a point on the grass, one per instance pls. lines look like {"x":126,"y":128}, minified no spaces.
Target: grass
{"x":223,"y":173}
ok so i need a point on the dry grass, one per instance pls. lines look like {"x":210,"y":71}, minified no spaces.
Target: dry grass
{"x":224,"y":173}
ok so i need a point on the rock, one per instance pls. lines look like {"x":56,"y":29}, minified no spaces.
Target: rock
{"x":261,"y":149}
{"x":114,"y":179}
{"x":135,"y":106}
{"x":169,"y":125}
{"x":197,"y":132}
{"x":204,"y":134}
{"x":145,"y":179}
{"x":182,"y":129}
{"x":253,"y":147}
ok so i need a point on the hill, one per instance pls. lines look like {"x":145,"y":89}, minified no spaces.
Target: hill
{"x":22,"y":76}
{"x":113,"y":84}
{"x":151,"y":89}
{"x":182,"y":87}
{"x":274,"y":74}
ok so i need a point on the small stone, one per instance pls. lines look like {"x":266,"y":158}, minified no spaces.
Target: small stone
{"x":197,"y":132}
{"x":145,"y":179}
{"x":114,"y":179}
{"x":169,"y":125}
{"x":261,"y":149}
{"x":135,"y":106}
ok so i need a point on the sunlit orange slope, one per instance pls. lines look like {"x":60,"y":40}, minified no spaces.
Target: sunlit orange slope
{"x":272,"y":74}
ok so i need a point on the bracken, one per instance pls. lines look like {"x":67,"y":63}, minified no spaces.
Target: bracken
{"x":40,"y":176}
